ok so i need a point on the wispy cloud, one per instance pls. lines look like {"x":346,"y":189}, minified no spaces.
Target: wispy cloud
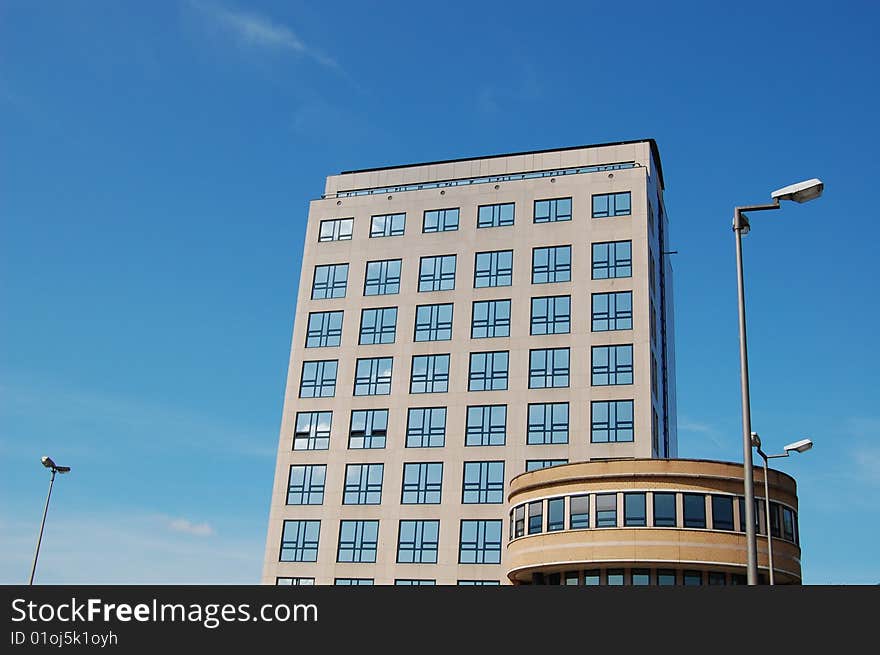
{"x":188,"y":527}
{"x":704,"y":430}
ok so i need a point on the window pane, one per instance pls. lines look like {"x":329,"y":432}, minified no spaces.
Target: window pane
{"x":664,"y":510}
{"x":694,"y":510}
{"x":486,"y":425}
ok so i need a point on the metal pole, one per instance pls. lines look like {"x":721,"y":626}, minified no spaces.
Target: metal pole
{"x":748,"y":477}
{"x":767,"y":515}
{"x":42,"y":525}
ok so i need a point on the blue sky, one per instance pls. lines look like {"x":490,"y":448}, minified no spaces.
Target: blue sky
{"x":156,"y":164}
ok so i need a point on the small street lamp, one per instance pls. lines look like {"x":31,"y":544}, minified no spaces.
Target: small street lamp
{"x":49,"y":464}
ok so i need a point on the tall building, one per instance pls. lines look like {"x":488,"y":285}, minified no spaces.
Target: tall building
{"x":459,"y":323}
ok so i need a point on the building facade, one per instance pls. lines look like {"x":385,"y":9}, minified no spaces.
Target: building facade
{"x":459,"y":323}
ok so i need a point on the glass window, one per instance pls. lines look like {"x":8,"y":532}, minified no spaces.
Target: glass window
{"x":378,"y":326}
{"x":612,"y":311}
{"x":483,"y":483}
{"x":519,"y":521}
{"x":488,"y":371}
{"x":591,"y":578}
{"x":372,"y":376}
{"x":437,"y":273}
{"x":722,"y":512}
{"x":389,"y":225}
{"x":693,"y":578}
{"x":579,"y":512}
{"x":551,"y":315}
{"x":612,"y":259}
{"x":330,"y":281}
{"x":737,"y":579}
{"x":440,"y":220}
{"x":551,"y":264}
{"x":491,"y":318}
{"x":486,"y":425}
{"x":774,"y":520}
{"x":434,"y":322}
{"x":664,"y":510}
{"x":417,"y":542}
{"x":612,"y":420}
{"x":716,"y":578}
{"x":369,"y":428}
{"x":480,"y":542}
{"x":299,"y":541}
{"x":426,"y":427}
{"x":357,"y":541}
{"x":353,"y":582}
{"x":430,"y":374}
{"x":336,"y":229}
{"x":634,"y":510}
{"x":295,"y":582}
{"x":571,"y":578}
{"x":548,"y":367}
{"x":666,"y":577}
{"x":305,"y":486}
{"x":550,"y":211}
{"x":363,"y":484}
{"x":788,"y":529}
{"x":493,"y":269}
{"x":612,"y":365}
{"x":694,"y":510}
{"x":641,"y":577}
{"x":422,"y":483}
{"x":318,"y":379}
{"x":612,"y":204}
{"x":495,"y":215}
{"x":538,"y":464}
{"x":536,"y":517}
{"x":548,"y":423}
{"x":606,"y":510}
{"x":493,"y":583}
{"x":312,"y":431}
{"x":615,"y":577}
{"x":382,"y":278}
{"x":324,"y":329}
{"x":556,"y":515}
{"x":414,"y":583}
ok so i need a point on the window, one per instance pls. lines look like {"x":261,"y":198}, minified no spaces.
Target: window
{"x":612,"y":259}
{"x":606,"y":510}
{"x":551,"y":315}
{"x":422,"y":482}
{"x":788,"y":524}
{"x":488,"y":371}
{"x":493,"y":269}
{"x":493,"y":583}
{"x":571,"y":577}
{"x":774,"y":520}
{"x":551,"y":264}
{"x":480,"y":542}
{"x":548,"y":424}
{"x":486,"y":425}
{"x":414,"y":583}
{"x":591,"y":577}
{"x":555,"y":514}
{"x":426,"y":427}
{"x":665,"y":577}
{"x":305,"y":486}
{"x":611,"y":204}
{"x":357,"y":541}
{"x":336,"y":229}
{"x":694,"y":510}
{"x":664,"y":510}
{"x":434,"y":322}
{"x":612,"y":311}
{"x":378,"y":326}
{"x":550,"y":211}
{"x":615,"y":577}
{"x":299,"y":541}
{"x":440,"y":220}
{"x":388,"y":225}
{"x":295,"y":582}
{"x":641,"y":577}
{"x":722,"y":512}
{"x":330,"y":281}
{"x":548,"y":367}
{"x":312,"y":431}
{"x":717,"y":578}
{"x":612,"y":420}
{"x":742,"y":515}
{"x":612,"y":365}
{"x":495,"y":215}
{"x":324,"y":329}
{"x":437,"y":273}
{"x":363,"y":484}
{"x":430,"y":374}
{"x":491,"y":318}
{"x":354,"y":582}
{"x":417,"y":542}
{"x":536,"y":517}
{"x":519,"y":521}
{"x":318,"y":379}
{"x":538,"y":464}
{"x":372,"y":376}
{"x":483,"y":483}
{"x":579,"y":512}
{"x":634,"y":510}
{"x":383,"y":278}
{"x":693,"y":578}
{"x":369,"y":428}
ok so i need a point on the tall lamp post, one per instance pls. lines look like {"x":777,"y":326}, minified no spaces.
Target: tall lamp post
{"x":800,"y":192}
{"x":801,"y":446}
{"x":49,"y":464}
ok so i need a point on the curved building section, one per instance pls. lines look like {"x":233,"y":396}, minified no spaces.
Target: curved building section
{"x":646,"y":521}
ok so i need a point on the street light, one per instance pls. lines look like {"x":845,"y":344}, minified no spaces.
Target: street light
{"x":800,"y":192}
{"x":801,"y":446}
{"x":49,"y":464}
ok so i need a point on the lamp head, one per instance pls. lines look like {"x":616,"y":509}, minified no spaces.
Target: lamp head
{"x":800,"y":192}
{"x":756,"y":440}
{"x":801,"y":446}
{"x":47,"y":462}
